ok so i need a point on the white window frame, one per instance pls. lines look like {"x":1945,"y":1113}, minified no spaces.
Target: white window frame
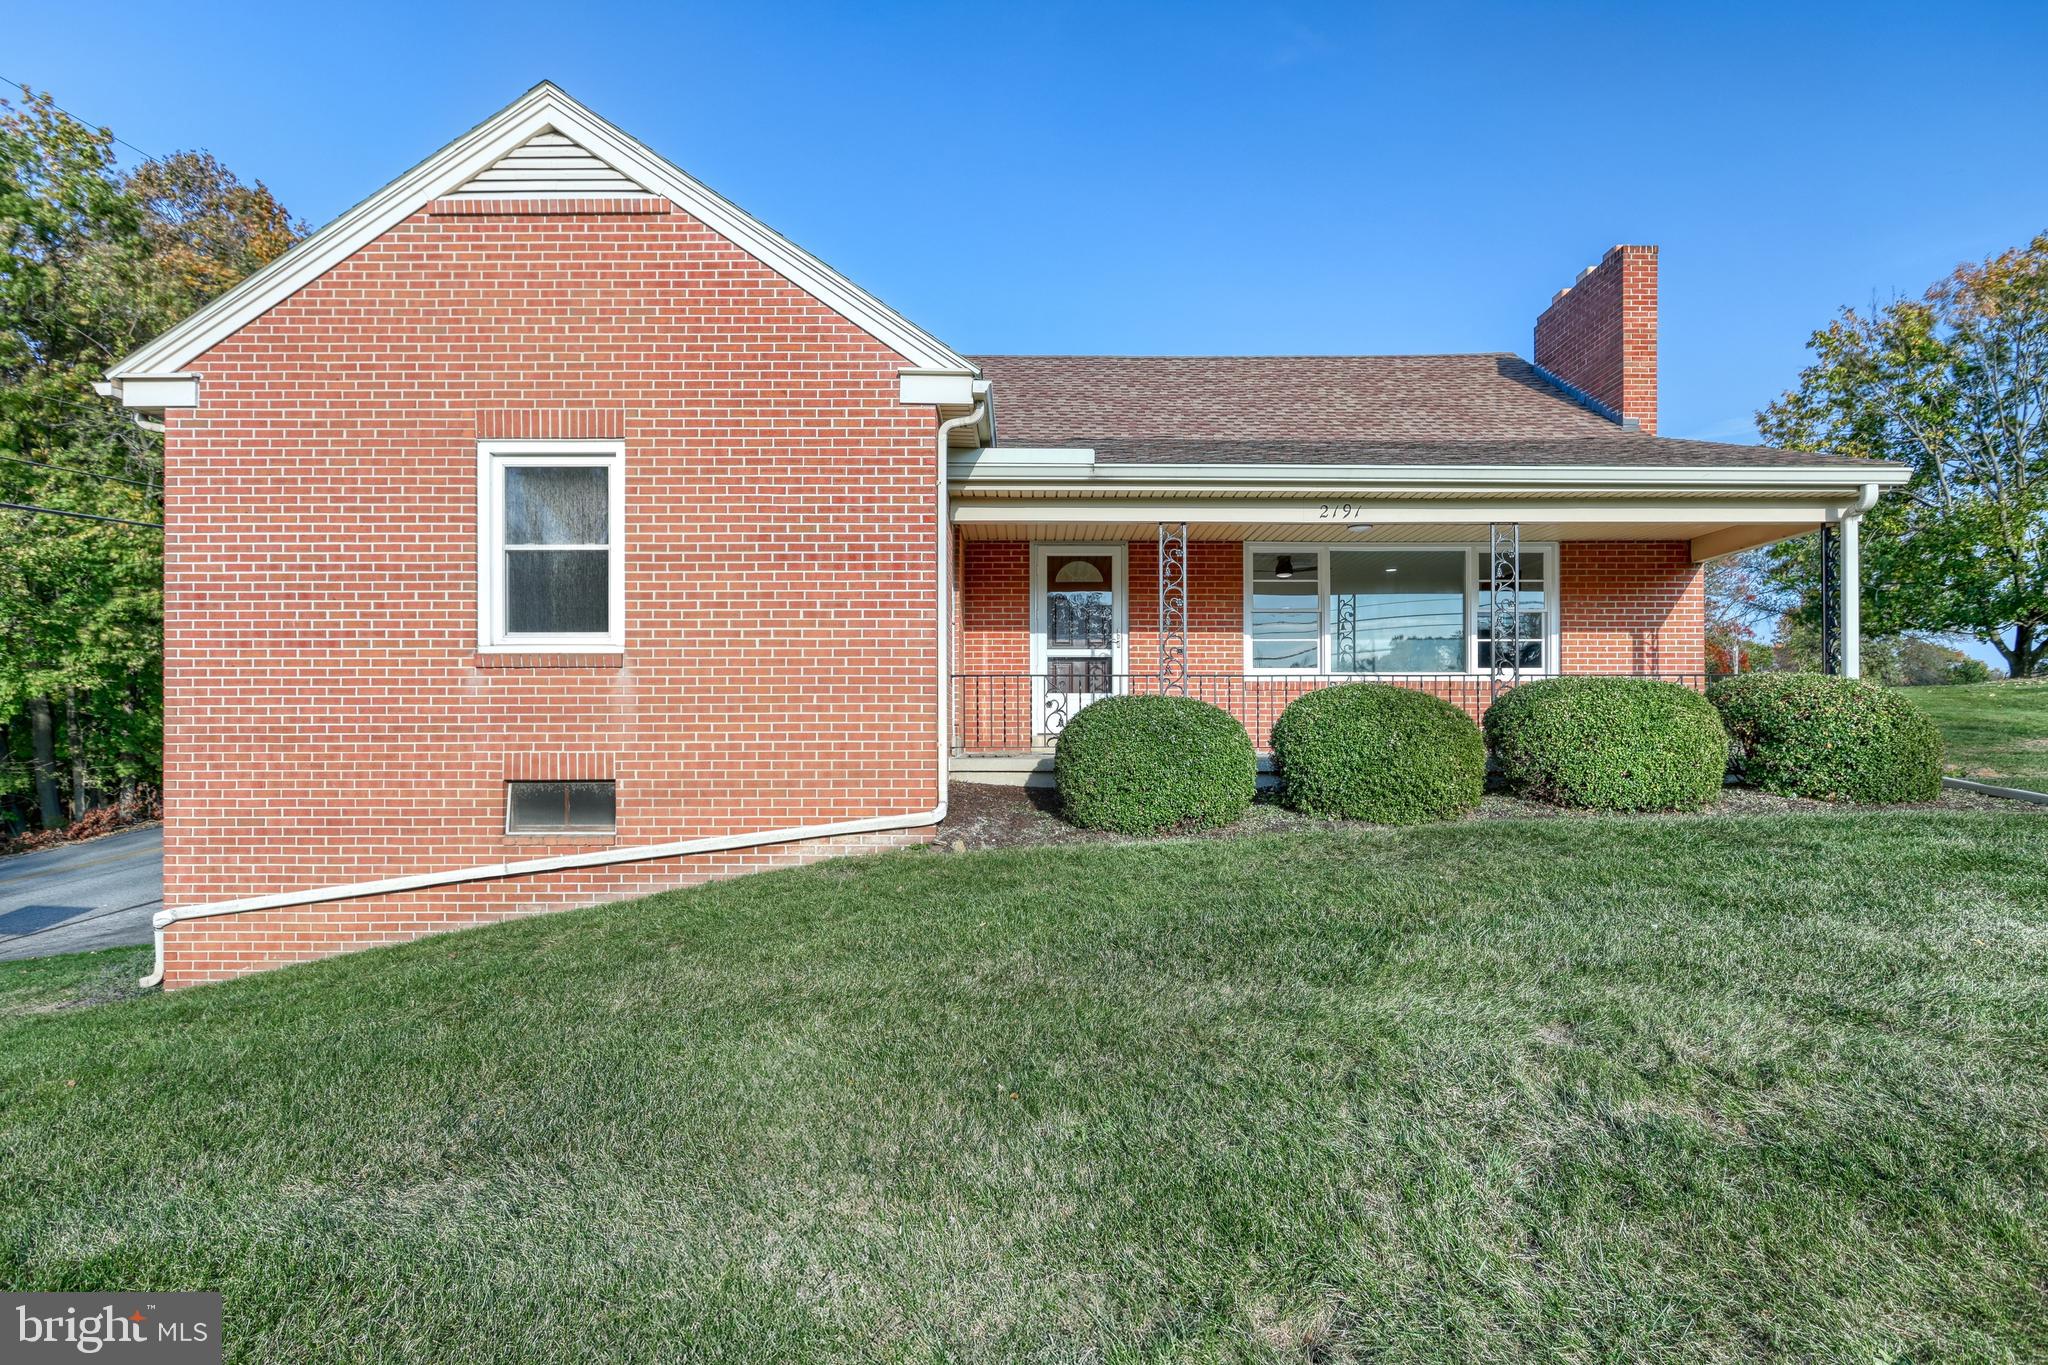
{"x":1477,"y":562}
{"x":493,"y":458}
{"x":1293,"y":551}
{"x":1320,"y":551}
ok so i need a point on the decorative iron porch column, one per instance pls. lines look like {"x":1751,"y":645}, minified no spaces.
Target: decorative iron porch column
{"x":1504,"y":618}
{"x":1830,"y":602}
{"x":1173,"y":607}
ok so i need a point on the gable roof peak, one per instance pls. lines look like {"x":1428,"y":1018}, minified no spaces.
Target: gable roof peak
{"x":545,"y":108}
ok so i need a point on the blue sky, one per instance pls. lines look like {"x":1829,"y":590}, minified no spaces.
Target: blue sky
{"x":1194,"y":178}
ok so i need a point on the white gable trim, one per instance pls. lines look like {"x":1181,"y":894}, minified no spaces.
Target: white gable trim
{"x":542,"y":109}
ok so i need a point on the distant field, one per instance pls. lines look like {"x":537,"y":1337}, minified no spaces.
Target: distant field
{"x":1996,"y":731}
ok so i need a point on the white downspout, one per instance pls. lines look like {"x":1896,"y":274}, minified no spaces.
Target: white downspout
{"x":942,"y":539}
{"x":945,"y":546}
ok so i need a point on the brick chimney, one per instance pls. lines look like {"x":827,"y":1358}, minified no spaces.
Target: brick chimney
{"x":1599,"y":335}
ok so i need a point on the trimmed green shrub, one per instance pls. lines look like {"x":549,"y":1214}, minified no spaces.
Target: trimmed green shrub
{"x":1368,"y":751}
{"x":1833,"y":739}
{"x":1139,"y":765}
{"x":1609,"y":743}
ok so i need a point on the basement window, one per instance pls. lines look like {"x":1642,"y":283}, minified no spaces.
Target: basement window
{"x":561,"y":807}
{"x":550,"y":559}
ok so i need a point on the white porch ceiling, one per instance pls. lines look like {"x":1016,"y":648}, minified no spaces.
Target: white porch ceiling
{"x":1712,"y":527}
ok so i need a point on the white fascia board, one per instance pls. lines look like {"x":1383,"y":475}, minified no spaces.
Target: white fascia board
{"x":1409,"y":512}
{"x":544,"y":107}
{"x":1045,"y":470}
{"x":156,"y":392}
{"x":937,"y":388}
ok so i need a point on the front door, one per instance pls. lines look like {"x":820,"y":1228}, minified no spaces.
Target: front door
{"x":1078,"y":628}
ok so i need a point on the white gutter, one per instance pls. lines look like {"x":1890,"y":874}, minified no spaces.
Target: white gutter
{"x":1073,"y":467}
{"x":942,"y":535}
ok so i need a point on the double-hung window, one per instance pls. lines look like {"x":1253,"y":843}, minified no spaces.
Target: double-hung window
{"x":1388,"y":609}
{"x":1284,"y":611}
{"x":551,"y":562}
{"x":1532,"y":604}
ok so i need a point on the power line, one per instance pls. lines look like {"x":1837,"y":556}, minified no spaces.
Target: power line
{"x":23,"y":85}
{"x":82,"y":516}
{"x":85,"y":473}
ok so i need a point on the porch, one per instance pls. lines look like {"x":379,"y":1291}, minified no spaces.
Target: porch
{"x":1075,"y":578}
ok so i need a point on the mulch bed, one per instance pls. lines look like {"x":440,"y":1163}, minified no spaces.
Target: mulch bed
{"x":982,"y":816}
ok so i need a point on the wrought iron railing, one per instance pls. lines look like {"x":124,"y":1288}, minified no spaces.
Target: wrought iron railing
{"x":995,"y":713}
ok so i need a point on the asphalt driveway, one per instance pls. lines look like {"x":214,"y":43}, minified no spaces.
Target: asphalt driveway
{"x":98,"y":894}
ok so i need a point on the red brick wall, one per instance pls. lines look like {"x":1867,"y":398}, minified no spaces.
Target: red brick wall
{"x":1625,"y":606}
{"x":1215,"y":606}
{"x":1601,"y":334}
{"x":995,"y":607}
{"x":328,"y":719}
{"x":1632,"y":606}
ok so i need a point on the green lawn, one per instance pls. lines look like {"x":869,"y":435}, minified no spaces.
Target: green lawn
{"x":40,"y":985}
{"x":1997,"y":732}
{"x":1681,"y":1090}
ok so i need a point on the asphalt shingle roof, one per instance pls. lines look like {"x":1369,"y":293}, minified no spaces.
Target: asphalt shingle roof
{"x":1372,"y":409}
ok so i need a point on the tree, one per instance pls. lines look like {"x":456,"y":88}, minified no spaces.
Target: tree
{"x":96,"y":262}
{"x":1741,"y":597}
{"x":1915,"y":661}
{"x":1954,"y":384}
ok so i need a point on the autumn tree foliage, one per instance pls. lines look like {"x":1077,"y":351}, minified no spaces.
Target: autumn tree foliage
{"x":1955,"y":384}
{"x":97,"y":260}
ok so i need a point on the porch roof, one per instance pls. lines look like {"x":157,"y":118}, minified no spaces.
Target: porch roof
{"x":1338,"y":412}
{"x":1064,"y":494}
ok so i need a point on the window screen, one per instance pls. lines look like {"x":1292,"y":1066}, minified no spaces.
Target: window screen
{"x":561,"y":807}
{"x":558,"y":550}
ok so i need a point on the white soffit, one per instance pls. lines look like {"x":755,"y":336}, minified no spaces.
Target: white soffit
{"x":542,"y":110}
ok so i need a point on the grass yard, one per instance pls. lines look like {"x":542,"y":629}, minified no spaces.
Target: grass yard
{"x":1996,"y":732}
{"x":1681,"y":1090}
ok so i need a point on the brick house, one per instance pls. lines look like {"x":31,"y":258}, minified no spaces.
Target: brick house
{"x":546,"y":530}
